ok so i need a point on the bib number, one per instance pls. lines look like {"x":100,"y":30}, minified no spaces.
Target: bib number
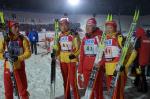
{"x":90,"y":47}
{"x":66,"y":45}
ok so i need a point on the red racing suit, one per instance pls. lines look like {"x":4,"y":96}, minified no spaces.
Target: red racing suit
{"x":144,"y":51}
{"x":87,"y":57}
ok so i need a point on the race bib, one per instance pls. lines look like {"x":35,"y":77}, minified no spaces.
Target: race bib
{"x":66,"y":45}
{"x":112,"y":51}
{"x":14,"y":48}
{"x":90,"y":48}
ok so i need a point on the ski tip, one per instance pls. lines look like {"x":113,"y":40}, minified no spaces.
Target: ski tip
{"x":2,"y":17}
{"x":136,"y":15}
{"x":111,"y":17}
{"x":107,"y":19}
{"x":56,"y":23}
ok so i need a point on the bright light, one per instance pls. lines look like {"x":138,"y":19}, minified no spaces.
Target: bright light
{"x":73,"y":2}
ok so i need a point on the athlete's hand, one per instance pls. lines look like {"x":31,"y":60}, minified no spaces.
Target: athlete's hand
{"x":72,"y":56}
{"x":81,"y":77}
{"x":6,"y":55}
{"x":81,"y":81}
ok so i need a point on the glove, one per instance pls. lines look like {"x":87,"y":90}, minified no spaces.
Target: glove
{"x":138,"y":70}
{"x":81,"y":77}
{"x":14,"y":58}
{"x":122,"y":68}
{"x":6,"y":55}
{"x":117,"y":70}
{"x":72,"y":56}
{"x":81,"y":81}
{"x":10,"y":58}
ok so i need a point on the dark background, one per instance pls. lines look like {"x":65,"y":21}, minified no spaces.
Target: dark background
{"x":124,"y":7}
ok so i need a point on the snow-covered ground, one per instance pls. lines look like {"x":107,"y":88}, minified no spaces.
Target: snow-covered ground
{"x":38,"y":74}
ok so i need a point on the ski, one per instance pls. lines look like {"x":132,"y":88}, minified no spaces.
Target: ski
{"x":12,"y":76}
{"x":53,"y":62}
{"x":95,"y":69}
{"x":45,"y":53}
{"x":123,"y":53}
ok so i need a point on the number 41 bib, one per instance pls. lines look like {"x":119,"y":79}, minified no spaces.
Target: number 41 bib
{"x":90,"y":47}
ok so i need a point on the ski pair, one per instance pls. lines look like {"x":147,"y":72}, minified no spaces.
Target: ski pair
{"x":11,"y":63}
{"x":95,"y":69}
{"x":53,"y":61}
{"x":123,"y":53}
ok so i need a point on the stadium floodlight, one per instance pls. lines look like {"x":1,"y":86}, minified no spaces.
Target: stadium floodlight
{"x":73,"y":2}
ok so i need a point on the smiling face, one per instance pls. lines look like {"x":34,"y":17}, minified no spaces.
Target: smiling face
{"x":64,"y":27}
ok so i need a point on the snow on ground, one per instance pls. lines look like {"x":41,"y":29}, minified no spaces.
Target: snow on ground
{"x":38,"y":74}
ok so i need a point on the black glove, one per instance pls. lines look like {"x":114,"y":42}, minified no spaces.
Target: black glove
{"x":122,"y":68}
{"x":72,"y":56}
{"x":115,"y":73}
{"x":14,"y":58}
{"x":7,"y":56}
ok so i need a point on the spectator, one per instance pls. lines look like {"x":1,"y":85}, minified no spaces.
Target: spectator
{"x":34,"y":38}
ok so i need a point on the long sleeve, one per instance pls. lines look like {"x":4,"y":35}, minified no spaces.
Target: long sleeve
{"x":76,"y":44}
{"x":27,"y":52}
{"x":80,"y":68}
{"x":1,"y":48}
{"x":130,"y":60}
